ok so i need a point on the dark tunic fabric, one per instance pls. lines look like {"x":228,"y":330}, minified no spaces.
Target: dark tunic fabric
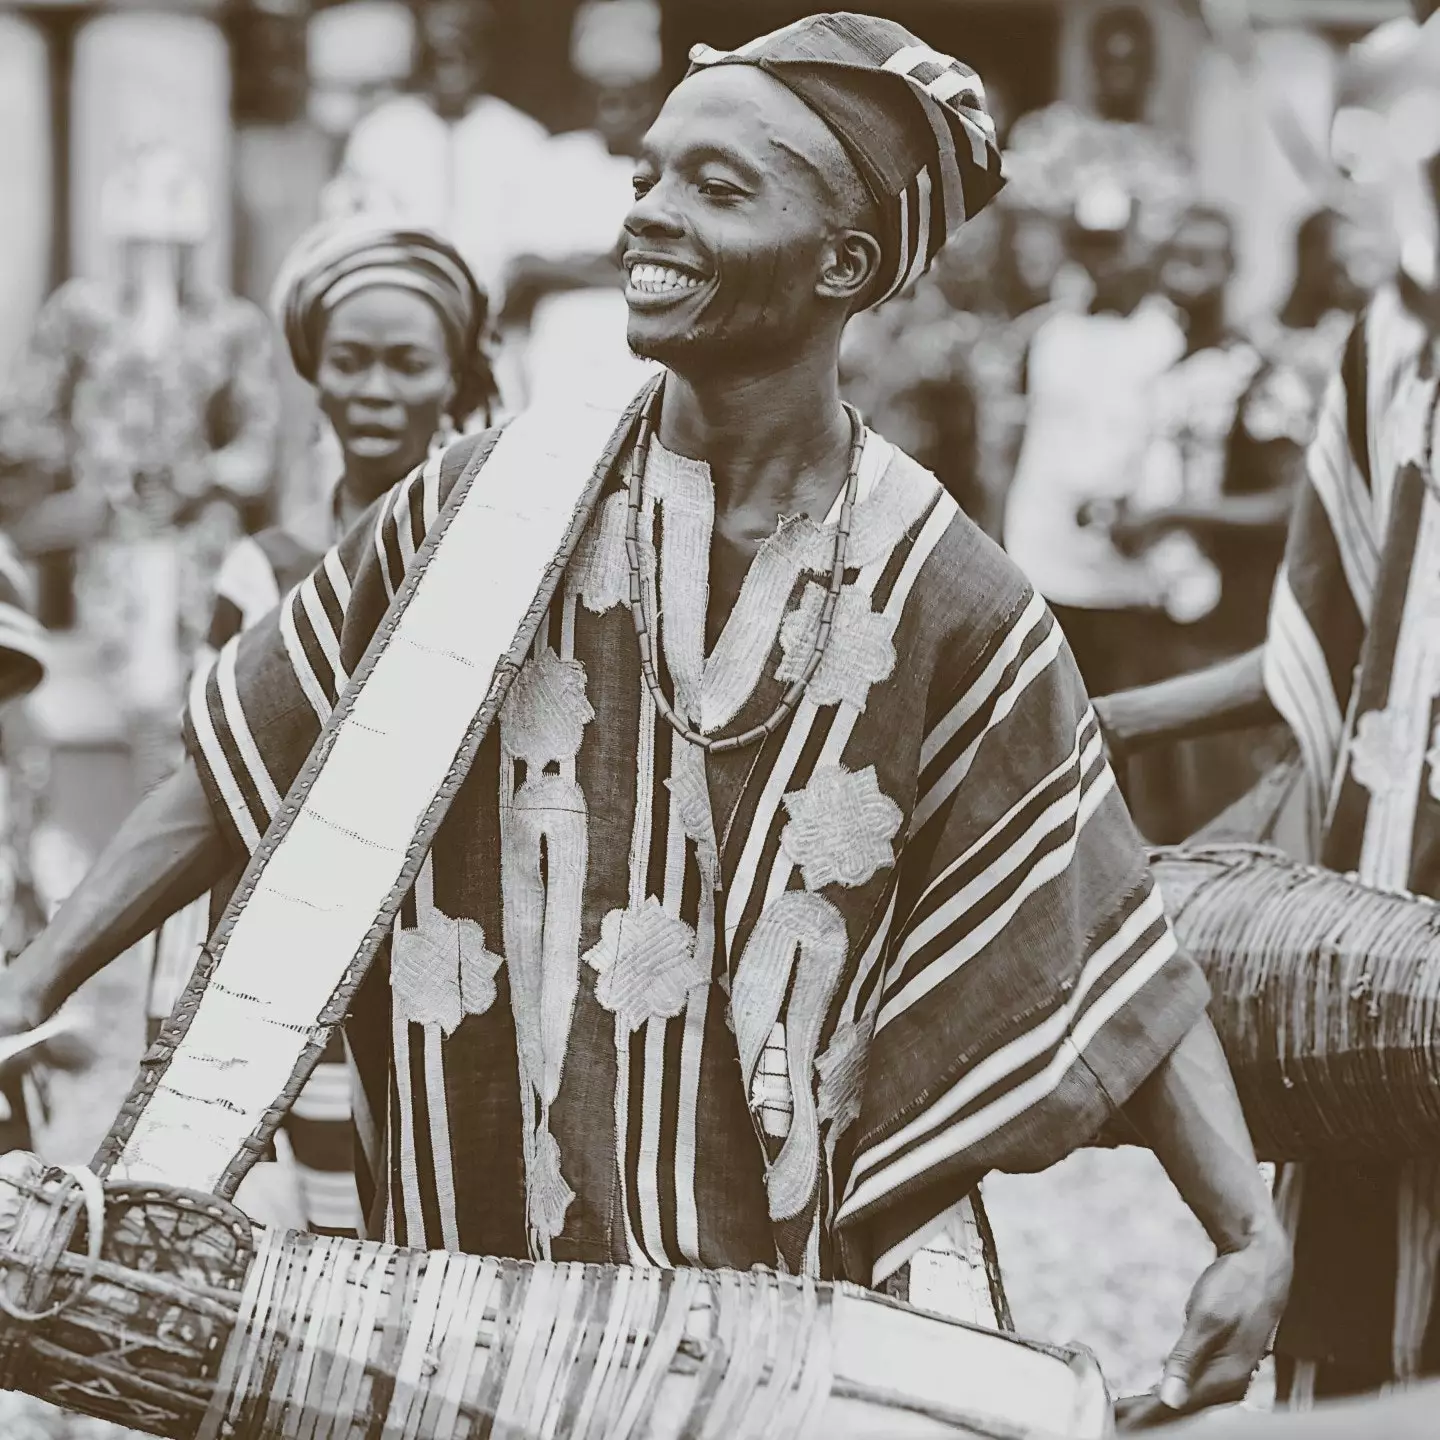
{"x":781,"y":1006}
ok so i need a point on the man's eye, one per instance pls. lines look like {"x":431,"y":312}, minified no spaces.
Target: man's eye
{"x":719,"y":190}
{"x":643,"y":185}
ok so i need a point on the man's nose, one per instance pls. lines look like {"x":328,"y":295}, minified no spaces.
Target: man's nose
{"x":654,"y":213}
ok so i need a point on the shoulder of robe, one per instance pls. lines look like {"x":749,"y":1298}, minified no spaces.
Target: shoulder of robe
{"x":968,"y":584}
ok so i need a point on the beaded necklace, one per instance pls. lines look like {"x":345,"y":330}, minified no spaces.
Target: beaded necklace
{"x":644,"y":635}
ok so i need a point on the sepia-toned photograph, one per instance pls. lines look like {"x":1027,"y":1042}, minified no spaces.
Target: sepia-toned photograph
{"x":719,"y":721}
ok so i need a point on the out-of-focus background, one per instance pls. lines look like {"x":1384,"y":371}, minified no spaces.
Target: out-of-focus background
{"x":1169,"y":232}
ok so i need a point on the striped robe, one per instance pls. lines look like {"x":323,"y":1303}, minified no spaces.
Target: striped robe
{"x":258,"y":571}
{"x":784,"y":1006}
{"x":1353,"y":664}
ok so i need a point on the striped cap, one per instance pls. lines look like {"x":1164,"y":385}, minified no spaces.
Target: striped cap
{"x":913,"y":121}
{"x":24,"y":653}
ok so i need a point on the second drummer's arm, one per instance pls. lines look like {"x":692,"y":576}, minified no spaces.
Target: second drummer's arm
{"x":167,"y":853}
{"x":1189,"y":1114}
{"x":1227,"y":696}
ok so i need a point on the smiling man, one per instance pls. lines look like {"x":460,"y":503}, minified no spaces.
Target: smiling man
{"x":791,"y":893}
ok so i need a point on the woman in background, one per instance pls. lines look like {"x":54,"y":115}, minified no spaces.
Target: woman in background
{"x":386,"y":322}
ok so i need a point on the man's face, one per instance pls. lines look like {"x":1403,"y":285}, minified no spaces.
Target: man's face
{"x":735,"y":204}
{"x":1198,"y":262}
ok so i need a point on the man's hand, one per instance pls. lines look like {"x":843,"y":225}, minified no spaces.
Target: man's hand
{"x":1189,"y":1112}
{"x":1231,"y":1316}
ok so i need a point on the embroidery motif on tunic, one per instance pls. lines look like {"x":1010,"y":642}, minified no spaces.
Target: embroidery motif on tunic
{"x":600,"y":573}
{"x":842,"y":1074}
{"x":442,"y":971}
{"x":798,"y":949}
{"x":842,"y":827}
{"x":861,"y":652}
{"x":687,"y":783}
{"x":543,"y":866}
{"x":647,"y":963}
{"x":1377,"y":753}
{"x":545,"y":714}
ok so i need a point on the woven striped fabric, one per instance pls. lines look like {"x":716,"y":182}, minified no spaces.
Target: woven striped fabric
{"x":912,"y":119}
{"x":1352,"y":662}
{"x":923,"y":897}
{"x":257,"y":573}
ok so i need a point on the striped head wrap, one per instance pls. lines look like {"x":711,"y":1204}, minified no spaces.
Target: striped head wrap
{"x":340,"y":258}
{"x":24,"y":652}
{"x":912,"y":120}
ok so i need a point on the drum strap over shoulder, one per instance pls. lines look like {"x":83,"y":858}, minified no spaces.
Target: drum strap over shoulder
{"x":323,"y":888}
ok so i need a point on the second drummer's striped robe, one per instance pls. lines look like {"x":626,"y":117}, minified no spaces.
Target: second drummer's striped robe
{"x":781,"y":1006}
{"x":1353,"y":664}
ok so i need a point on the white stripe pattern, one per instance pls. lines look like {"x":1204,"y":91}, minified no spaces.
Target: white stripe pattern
{"x":1035,"y":665}
{"x":216,"y":761}
{"x":305,"y":675}
{"x":1346,"y":500}
{"x":1297,"y":679}
{"x":1069,"y":811}
{"x":234,"y":713}
{"x":1060,"y":1032}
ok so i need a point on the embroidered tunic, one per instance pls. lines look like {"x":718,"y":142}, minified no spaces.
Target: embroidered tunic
{"x":782,"y":1006}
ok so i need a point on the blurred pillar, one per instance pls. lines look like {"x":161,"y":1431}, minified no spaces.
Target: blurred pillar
{"x":142,"y":77}
{"x":25,"y":180}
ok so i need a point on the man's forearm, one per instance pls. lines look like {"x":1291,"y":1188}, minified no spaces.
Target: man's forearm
{"x":168,"y":852}
{"x":1227,"y":696}
{"x":1189,"y":1114}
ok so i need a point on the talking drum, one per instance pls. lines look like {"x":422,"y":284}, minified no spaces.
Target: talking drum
{"x":164,"y":1310}
{"x":1326,"y":996}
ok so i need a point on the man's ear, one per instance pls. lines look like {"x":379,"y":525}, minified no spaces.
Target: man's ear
{"x":852,"y":265}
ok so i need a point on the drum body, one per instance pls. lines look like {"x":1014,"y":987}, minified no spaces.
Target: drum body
{"x":187,"y":1323}
{"x":1326,"y":997}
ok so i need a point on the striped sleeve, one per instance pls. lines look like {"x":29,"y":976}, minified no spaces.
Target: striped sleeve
{"x":257,"y":709}
{"x":1032,"y":981}
{"x":1324,"y":593}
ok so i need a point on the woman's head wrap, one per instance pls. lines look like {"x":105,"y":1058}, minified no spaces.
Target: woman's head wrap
{"x":339,"y":258}
{"x":912,"y":120}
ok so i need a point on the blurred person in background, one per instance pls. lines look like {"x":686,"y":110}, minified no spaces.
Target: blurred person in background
{"x":566,"y":292}
{"x":386,"y":322}
{"x":906,"y":365}
{"x":1351,"y":661}
{"x":451,"y":156}
{"x":144,"y":420}
{"x":1210,"y":514}
{"x":1030,"y":262}
{"x":1089,"y":375}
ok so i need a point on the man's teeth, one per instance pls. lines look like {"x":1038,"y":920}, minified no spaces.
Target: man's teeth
{"x":657,"y":279}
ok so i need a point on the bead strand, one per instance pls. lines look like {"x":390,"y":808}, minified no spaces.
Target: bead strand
{"x":757,"y":734}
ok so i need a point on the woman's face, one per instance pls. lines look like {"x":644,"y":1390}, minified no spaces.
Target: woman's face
{"x":385,"y":378}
